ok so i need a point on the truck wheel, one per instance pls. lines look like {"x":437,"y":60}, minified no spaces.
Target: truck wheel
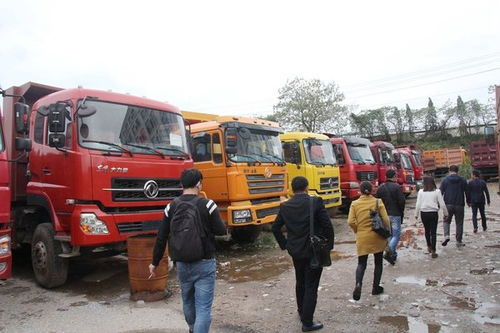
{"x":246,"y":234}
{"x":50,"y":269}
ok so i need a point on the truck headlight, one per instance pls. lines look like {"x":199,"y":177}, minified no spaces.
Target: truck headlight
{"x":4,"y":245}
{"x":353,"y":184}
{"x":89,"y":223}
{"x":242,"y":216}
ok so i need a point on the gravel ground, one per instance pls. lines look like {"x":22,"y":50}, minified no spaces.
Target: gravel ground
{"x":457,"y":292}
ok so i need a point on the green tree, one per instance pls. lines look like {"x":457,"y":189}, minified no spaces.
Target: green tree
{"x":431,"y":120}
{"x":409,"y":120}
{"x":312,"y":106}
{"x":396,"y":118}
{"x":463,"y":117}
{"x":270,"y":117}
{"x":362,"y":125}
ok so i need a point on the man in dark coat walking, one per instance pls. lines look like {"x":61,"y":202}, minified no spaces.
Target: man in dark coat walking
{"x":394,"y":201}
{"x":294,"y":215}
{"x":453,"y":188}
{"x":476,"y":192}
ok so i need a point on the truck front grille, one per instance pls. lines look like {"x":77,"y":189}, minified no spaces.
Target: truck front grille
{"x":410,"y":179}
{"x":261,"y":213}
{"x":366,"y":175}
{"x":328,"y":183}
{"x":139,"y":226}
{"x":133,"y":189}
{"x":258,"y":184}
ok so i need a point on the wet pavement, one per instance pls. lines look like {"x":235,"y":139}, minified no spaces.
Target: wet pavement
{"x":457,"y":292}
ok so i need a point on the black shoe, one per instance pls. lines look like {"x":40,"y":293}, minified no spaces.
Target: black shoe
{"x":313,"y":327}
{"x":484,"y":229}
{"x":460,"y":244}
{"x":445,"y":242}
{"x":475,"y":230}
{"x":356,"y":294}
{"x":389,"y":259}
{"x":377,"y":290}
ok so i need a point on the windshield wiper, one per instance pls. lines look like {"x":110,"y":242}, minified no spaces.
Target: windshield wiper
{"x":123,"y":149}
{"x":183,"y":153}
{"x":146,"y":147}
{"x":248,"y":156}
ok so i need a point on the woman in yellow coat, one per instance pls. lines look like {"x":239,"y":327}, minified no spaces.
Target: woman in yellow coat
{"x":367,"y":241}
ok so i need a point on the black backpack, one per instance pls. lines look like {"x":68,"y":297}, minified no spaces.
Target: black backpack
{"x":186,"y":241}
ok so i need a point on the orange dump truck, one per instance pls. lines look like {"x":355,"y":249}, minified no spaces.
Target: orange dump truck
{"x":445,"y":157}
{"x":243,"y":169}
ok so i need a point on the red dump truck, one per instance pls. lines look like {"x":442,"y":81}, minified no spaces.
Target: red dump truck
{"x":484,"y":156}
{"x":383,"y":154}
{"x":416,"y":162}
{"x":5,"y":252}
{"x":356,"y":164}
{"x":89,"y":169}
{"x":406,"y":175}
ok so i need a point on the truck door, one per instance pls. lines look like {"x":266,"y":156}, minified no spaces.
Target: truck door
{"x":209,"y":159}
{"x":293,"y":159}
{"x":57,"y":175}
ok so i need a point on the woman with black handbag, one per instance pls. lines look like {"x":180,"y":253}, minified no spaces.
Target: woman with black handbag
{"x":367,"y":240}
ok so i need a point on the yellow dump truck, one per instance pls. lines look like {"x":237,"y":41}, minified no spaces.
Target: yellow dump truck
{"x":241,"y":160}
{"x":311,"y":155}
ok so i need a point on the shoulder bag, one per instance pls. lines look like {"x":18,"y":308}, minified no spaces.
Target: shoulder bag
{"x":377,"y":224}
{"x":319,"y":243}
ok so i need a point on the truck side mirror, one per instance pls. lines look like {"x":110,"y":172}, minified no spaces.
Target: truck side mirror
{"x":57,"y":118}
{"x":57,"y":140}
{"x":21,"y":111}
{"x":231,"y":140}
{"x":23,"y":144}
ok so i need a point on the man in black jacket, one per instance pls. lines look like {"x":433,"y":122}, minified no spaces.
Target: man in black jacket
{"x":453,"y":187}
{"x":477,"y":190}
{"x":197,"y":278}
{"x":394,"y":201}
{"x":294,"y":214}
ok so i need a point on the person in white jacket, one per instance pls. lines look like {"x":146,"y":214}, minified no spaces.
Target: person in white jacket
{"x":429,"y":202}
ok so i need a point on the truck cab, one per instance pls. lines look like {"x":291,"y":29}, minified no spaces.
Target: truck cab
{"x":406,"y":176}
{"x":416,"y":162}
{"x":243,"y":169}
{"x":311,"y":155}
{"x":100,"y":167}
{"x":5,"y":231}
{"x":383,"y":154}
{"x":356,"y":164}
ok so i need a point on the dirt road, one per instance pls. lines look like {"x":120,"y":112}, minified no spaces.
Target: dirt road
{"x":457,"y":292}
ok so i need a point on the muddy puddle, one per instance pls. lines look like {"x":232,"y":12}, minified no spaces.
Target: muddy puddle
{"x":257,"y":267}
{"x":488,"y":314}
{"x":496,"y":246}
{"x":454,"y":284}
{"x":463,"y":303}
{"x":338,"y":255}
{"x":409,"y":324}
{"x":417,"y":281}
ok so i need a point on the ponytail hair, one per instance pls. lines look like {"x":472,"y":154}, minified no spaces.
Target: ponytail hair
{"x":366,"y":188}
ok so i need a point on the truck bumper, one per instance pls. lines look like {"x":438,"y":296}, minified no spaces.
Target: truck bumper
{"x":6,"y":259}
{"x":259,"y":214}
{"x":331,"y":199}
{"x":120,"y":226}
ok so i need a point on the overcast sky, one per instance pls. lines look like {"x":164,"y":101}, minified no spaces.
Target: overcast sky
{"x":231,"y":57}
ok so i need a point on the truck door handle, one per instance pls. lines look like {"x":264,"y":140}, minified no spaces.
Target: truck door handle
{"x":46,"y":171}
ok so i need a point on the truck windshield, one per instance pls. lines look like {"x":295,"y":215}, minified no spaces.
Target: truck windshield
{"x":136,"y":129}
{"x":405,"y":159}
{"x":319,"y":152}
{"x":360,"y":153}
{"x":255,"y":145}
{"x":416,"y":157}
{"x":385,"y":156}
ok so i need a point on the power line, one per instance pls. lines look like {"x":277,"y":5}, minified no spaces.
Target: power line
{"x":429,"y":83}
{"x":430,"y":69}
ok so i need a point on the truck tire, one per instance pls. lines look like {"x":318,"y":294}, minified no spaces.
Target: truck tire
{"x":246,"y":234}
{"x":50,"y":270}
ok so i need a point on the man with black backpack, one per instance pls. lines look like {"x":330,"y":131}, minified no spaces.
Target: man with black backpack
{"x":394,"y":201}
{"x":189,"y":224}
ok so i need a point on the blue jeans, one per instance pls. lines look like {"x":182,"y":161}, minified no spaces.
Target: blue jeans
{"x":197,"y":281}
{"x":396,"y":234}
